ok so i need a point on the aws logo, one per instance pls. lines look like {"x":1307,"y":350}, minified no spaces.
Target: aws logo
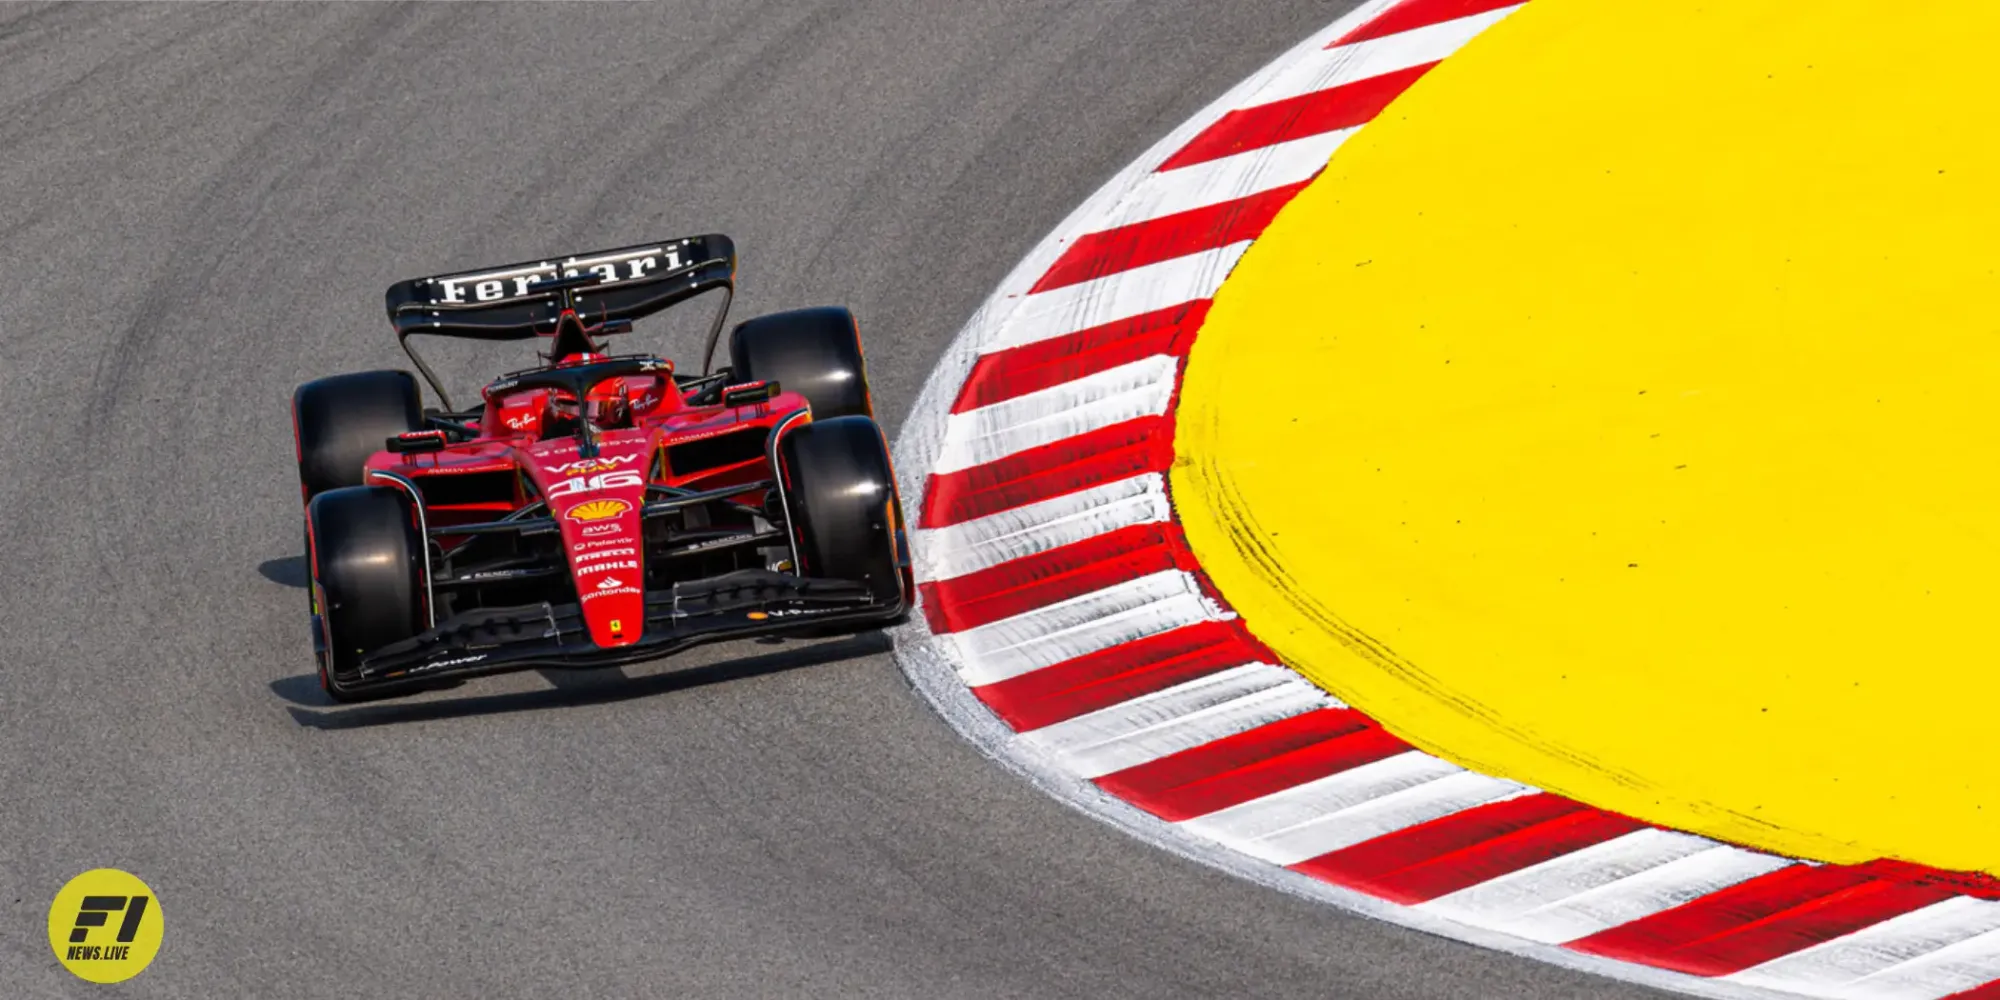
{"x":106,"y":925}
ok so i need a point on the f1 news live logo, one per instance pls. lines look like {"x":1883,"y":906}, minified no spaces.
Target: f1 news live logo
{"x":106,"y":925}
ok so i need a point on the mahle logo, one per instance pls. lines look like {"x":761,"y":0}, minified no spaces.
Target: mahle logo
{"x":106,"y":925}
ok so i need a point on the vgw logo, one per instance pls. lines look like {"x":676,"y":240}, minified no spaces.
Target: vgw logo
{"x":106,"y":925}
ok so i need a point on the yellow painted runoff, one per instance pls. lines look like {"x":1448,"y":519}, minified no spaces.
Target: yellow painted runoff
{"x":1620,"y":413}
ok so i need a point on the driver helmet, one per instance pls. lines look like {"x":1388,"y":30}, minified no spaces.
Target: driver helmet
{"x":610,"y":404}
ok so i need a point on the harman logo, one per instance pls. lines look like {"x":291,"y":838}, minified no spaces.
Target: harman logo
{"x":105,"y":925}
{"x":598,"y":510}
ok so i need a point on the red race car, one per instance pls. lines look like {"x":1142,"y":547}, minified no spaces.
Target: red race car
{"x":602,"y":508}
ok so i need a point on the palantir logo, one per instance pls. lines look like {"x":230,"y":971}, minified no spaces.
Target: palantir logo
{"x":106,"y":925}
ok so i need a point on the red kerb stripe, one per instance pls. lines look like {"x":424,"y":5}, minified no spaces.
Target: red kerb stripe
{"x":1374,"y":866}
{"x":1978,"y":885}
{"x":1154,"y":778}
{"x":1126,"y":247}
{"x":1105,"y":455}
{"x":1018,"y":371}
{"x":1253,"y":764}
{"x":1045,"y":578}
{"x":1419,"y":14}
{"x":1319,"y":112}
{"x":1767,"y":917}
{"x":1481,"y":843}
{"x":1122,"y":672}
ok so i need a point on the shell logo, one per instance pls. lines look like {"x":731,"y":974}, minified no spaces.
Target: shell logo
{"x":597,"y":510}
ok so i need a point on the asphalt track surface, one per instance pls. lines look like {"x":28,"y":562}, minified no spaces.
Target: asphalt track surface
{"x":203,"y":206}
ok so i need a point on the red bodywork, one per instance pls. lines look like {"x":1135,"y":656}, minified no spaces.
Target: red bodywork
{"x":596,"y":501}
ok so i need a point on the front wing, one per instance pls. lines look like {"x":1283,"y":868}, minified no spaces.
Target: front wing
{"x":732,"y":606}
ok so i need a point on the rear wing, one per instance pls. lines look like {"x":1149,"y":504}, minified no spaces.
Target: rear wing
{"x":519,"y":301}
{"x":522,"y":301}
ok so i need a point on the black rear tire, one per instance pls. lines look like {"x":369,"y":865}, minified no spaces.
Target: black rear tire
{"x":813,"y":352}
{"x":365,"y":556}
{"x":343,"y":419}
{"x":841,"y":496}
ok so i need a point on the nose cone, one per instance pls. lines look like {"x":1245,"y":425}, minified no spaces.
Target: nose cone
{"x":608,"y":564}
{"x":598,"y":502}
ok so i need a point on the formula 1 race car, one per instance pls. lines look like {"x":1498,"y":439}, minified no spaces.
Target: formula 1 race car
{"x":602,"y":508}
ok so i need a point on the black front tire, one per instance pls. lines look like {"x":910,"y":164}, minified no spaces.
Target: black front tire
{"x":813,"y":352}
{"x":365,"y":555}
{"x":343,"y":419}
{"x":840,"y":493}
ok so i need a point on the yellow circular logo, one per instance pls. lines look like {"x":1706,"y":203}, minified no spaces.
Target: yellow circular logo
{"x":106,"y":925}
{"x":598,"y":510}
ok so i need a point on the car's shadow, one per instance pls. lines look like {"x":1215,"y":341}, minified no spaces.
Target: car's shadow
{"x":311,"y":707}
{"x":289,"y":571}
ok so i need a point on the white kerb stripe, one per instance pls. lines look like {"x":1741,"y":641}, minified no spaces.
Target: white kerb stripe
{"x":1826,"y":966}
{"x":1062,"y":311}
{"x":1081,"y":625}
{"x":944,"y":553}
{"x":1953,"y":968}
{"x":1505,"y":903}
{"x":1643,"y":894}
{"x":1333,"y":67}
{"x":1245,"y":826}
{"x":986,"y":330}
{"x":1178,"y":718}
{"x":1216,"y":181}
{"x":1387,"y":814}
{"x":1142,"y":388}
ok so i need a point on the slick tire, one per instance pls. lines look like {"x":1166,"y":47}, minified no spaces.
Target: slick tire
{"x":365,"y":556}
{"x":841,"y":496}
{"x":341,"y":420}
{"x":813,"y":352}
